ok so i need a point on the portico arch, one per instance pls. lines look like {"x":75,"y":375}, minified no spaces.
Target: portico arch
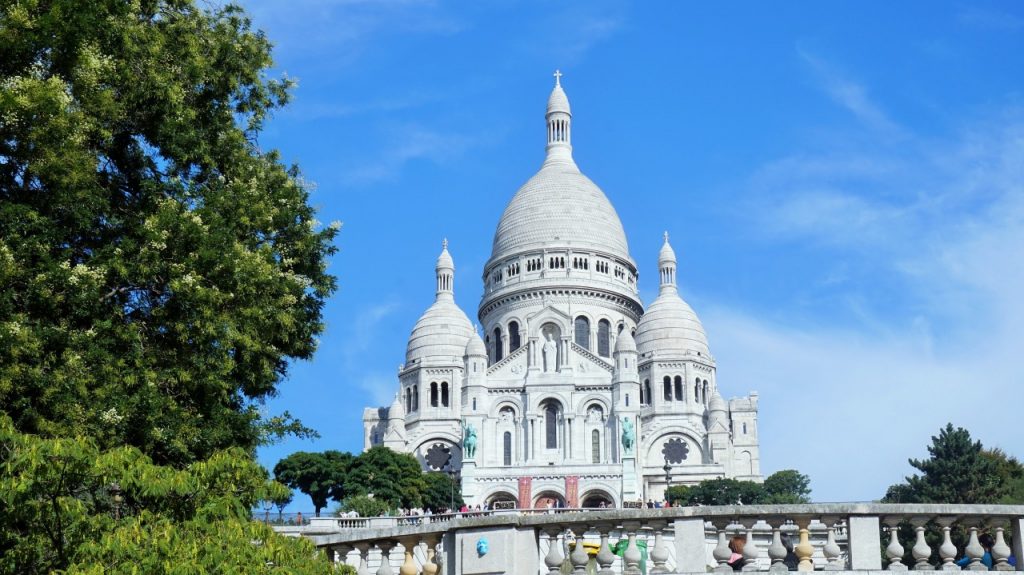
{"x":595,"y":497}
{"x":501,"y":496}
{"x":543,"y":499}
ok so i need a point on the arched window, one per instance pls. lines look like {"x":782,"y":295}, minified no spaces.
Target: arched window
{"x":705,"y":396}
{"x":647,"y":392}
{"x":622,"y":326}
{"x":603,"y":338}
{"x":679,"y":388}
{"x":416,"y":397}
{"x":696,"y":391}
{"x":582,"y":332}
{"x":595,"y":446}
{"x":408,"y":399}
{"x":444,"y":394}
{"x":506,"y":440}
{"x":551,"y":425}
{"x":668,"y":388}
{"x":642,"y":393}
{"x":744,"y":428}
{"x":433,"y":394}
{"x":513,"y":336}
{"x":474,"y":404}
{"x":497,"y":344}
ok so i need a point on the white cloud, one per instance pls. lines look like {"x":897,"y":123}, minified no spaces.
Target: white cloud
{"x":942,"y":223}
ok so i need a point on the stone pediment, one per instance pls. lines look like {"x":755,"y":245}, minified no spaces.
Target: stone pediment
{"x":512,"y":366}
{"x":585,"y":361}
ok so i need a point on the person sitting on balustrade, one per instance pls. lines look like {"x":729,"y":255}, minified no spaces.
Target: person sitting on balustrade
{"x":736,"y":545}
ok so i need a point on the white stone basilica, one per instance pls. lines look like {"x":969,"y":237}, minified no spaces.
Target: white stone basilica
{"x":575,"y":395}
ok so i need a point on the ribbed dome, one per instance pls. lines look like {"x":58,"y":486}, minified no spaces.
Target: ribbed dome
{"x":560,"y":206}
{"x":442,"y":332}
{"x":670,"y":328}
{"x":558,"y":101}
{"x":716,"y":403}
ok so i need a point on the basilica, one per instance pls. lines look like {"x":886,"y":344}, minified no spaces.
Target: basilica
{"x":575,"y":394}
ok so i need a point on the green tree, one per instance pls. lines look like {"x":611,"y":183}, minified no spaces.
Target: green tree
{"x":59,"y":512}
{"x":158,"y":270}
{"x":319,"y":475}
{"x":956,"y":471}
{"x":365,"y":506}
{"x":1011,"y":476}
{"x":441,"y":492}
{"x":787,"y":486}
{"x":395,"y":478}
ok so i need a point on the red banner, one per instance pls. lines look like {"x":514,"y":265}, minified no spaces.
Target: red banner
{"x":525,"y":492}
{"x":572,"y":488}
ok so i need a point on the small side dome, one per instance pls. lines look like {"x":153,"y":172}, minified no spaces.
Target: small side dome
{"x":625,"y":342}
{"x":442,"y":332}
{"x":670,"y":328}
{"x":476,"y":347}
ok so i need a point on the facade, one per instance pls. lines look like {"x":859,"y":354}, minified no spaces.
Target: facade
{"x":574,"y":394}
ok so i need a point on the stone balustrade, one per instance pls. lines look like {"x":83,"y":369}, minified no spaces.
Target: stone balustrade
{"x":825,"y":537}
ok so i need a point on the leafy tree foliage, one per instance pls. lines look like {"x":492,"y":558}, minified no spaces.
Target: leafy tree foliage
{"x":956,"y":471}
{"x":786,"y":486}
{"x":441,"y":491}
{"x":395,"y":478}
{"x":158,"y":270}
{"x":319,"y":475}
{"x":365,"y":506}
{"x":58,"y":512}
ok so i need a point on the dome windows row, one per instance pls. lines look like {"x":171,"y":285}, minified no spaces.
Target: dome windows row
{"x":502,"y":273}
{"x":440,"y":396}
{"x":599,"y":340}
{"x":674,"y":389}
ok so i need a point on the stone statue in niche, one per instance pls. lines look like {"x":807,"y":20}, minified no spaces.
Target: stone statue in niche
{"x":550,"y":352}
{"x":595,"y":415}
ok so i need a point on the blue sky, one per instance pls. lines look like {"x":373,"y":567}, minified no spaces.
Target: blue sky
{"x":843,"y":183}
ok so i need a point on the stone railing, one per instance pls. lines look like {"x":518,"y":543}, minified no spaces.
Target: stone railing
{"x":827,"y":537}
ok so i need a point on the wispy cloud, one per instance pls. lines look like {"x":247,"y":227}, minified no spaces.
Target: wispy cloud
{"x":377,"y":386}
{"x":941,"y":222}
{"x":851,"y":95}
{"x":405,"y":145}
{"x":990,"y":19}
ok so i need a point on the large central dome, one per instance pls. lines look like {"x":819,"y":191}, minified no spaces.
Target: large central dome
{"x":559,"y":206}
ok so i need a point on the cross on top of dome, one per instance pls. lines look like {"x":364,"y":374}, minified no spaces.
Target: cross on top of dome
{"x":558,"y":77}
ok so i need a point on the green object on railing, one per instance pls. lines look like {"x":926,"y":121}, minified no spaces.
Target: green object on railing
{"x":620,"y":550}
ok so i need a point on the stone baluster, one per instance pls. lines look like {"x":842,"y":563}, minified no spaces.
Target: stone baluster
{"x":605,"y":557}
{"x":409,"y":566}
{"x":750,"y":550}
{"x":341,"y":554}
{"x":430,"y":566}
{"x":1001,"y":551}
{"x":894,"y":551}
{"x":947,"y":551}
{"x":776,"y":550}
{"x":804,"y":550}
{"x":631,"y":557}
{"x":579,"y":557}
{"x":722,"y":553}
{"x":385,"y":546}
{"x":659,"y":555}
{"x":975,"y":552}
{"x":831,"y":550}
{"x":553,"y":560}
{"x":921,"y":551}
{"x":364,"y":558}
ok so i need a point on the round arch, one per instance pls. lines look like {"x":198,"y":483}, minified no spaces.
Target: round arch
{"x":496,"y":408}
{"x":548,"y":498}
{"x":597,"y":498}
{"x":592,"y":398}
{"x":437,"y":462}
{"x":501,"y":495}
{"x":696,"y":445}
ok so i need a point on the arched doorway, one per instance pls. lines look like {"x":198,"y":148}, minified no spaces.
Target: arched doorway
{"x":502,"y":500}
{"x":548,"y":500}
{"x":596,"y":499}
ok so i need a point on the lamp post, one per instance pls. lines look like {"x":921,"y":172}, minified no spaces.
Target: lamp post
{"x":451,"y":496}
{"x":115,"y":493}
